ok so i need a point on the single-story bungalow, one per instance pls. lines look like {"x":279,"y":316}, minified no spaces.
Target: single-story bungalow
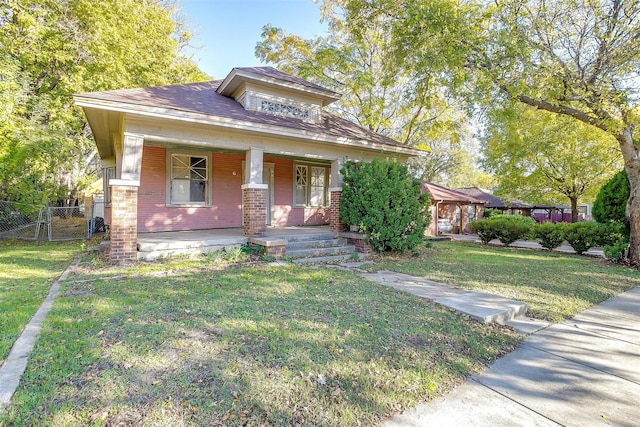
{"x":459,"y":208}
{"x":512,"y":207}
{"x":256,"y":148}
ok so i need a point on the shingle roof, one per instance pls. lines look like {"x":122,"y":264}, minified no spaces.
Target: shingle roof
{"x":493,"y":202}
{"x":279,"y":75}
{"x":202,"y":98}
{"x":439,"y":192}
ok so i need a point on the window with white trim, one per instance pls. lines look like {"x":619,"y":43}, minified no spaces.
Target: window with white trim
{"x":310,"y":185}
{"x":109,"y":173}
{"x":189,"y":180}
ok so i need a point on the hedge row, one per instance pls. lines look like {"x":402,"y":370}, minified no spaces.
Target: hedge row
{"x":581,"y":236}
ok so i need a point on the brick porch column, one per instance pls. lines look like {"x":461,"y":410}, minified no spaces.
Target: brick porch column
{"x":254,"y":203}
{"x":334,"y":210}
{"x":124,"y":221}
{"x":335,"y":191}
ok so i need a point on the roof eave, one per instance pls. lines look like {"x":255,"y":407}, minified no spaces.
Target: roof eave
{"x":87,"y":102}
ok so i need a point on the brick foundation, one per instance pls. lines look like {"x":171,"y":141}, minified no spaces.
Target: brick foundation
{"x":124,"y":224}
{"x":254,"y":211}
{"x":334,"y":211}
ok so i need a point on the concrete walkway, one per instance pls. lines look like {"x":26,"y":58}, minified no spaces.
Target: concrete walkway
{"x":584,"y":372}
{"x":16,"y":362}
{"x":480,"y":306}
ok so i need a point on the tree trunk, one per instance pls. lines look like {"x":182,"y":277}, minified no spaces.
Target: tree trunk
{"x":574,"y":209}
{"x":632,"y":166}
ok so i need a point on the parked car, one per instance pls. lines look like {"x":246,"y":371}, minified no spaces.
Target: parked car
{"x":444,"y":225}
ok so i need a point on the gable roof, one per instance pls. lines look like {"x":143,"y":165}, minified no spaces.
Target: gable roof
{"x":440,"y":193}
{"x":269,"y":76}
{"x":201,"y":101}
{"x":493,"y":202}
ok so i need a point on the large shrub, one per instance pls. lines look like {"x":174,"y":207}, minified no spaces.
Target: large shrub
{"x":611,"y":202}
{"x":584,"y":235}
{"x":386,"y":202}
{"x":549,"y":235}
{"x":506,"y":228}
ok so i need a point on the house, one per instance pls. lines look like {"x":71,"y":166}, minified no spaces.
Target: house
{"x":513,"y":207}
{"x":459,"y":208}
{"x":254,"y":149}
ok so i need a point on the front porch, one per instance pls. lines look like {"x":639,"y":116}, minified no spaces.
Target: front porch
{"x":306,"y":241}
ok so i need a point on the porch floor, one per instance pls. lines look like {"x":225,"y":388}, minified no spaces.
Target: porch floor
{"x":169,"y":243}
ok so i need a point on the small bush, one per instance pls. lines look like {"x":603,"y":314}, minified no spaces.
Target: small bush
{"x":506,"y":228}
{"x":549,"y":235}
{"x":616,"y":252}
{"x":583,"y":235}
{"x":614,"y":238}
{"x":386,"y":202}
{"x":513,"y":227}
{"x":485,"y":230}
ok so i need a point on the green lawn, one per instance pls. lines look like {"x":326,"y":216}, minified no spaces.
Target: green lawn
{"x":555,"y":286}
{"x":204,"y":343}
{"x":27,"y":271}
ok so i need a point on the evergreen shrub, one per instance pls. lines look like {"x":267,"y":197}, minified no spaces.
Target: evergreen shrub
{"x":549,"y":235}
{"x":386,"y":203}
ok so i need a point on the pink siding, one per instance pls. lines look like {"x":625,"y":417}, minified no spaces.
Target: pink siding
{"x":154,"y":215}
{"x":284,"y":214}
{"x":226,"y":209}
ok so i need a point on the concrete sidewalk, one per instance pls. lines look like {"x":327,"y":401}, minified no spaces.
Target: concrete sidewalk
{"x":585,"y":372}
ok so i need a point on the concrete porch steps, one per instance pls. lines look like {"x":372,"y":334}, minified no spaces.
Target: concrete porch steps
{"x":318,"y":247}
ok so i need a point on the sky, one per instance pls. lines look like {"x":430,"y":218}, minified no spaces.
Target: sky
{"x":226,"y":31}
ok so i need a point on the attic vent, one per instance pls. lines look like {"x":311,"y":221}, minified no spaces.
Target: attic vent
{"x":280,"y":109}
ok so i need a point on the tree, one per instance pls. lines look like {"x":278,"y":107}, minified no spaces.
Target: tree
{"x":544,"y":157}
{"x":382,"y":95}
{"x":575,"y":58}
{"x":611,"y":202}
{"x":50,"y":49}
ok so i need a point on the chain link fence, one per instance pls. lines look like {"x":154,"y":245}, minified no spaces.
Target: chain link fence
{"x":20,"y":221}
{"x":53,"y":223}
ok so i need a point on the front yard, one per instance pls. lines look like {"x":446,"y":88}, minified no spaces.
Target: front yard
{"x":555,"y":286}
{"x":27,"y":271}
{"x":208,"y":343}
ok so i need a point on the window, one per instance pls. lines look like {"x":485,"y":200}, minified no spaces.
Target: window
{"x":189,"y":180}
{"x":108,"y":174}
{"x":302,"y":180}
{"x":310,"y":185}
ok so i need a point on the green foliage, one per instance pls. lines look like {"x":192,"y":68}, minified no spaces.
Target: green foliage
{"x":541,"y":156}
{"x":380,"y":94}
{"x":611,"y":202}
{"x":488,"y":213}
{"x":386,"y":202}
{"x":549,"y":235}
{"x":485,"y":229}
{"x":616,"y":252}
{"x":51,"y":49}
{"x":510,"y":228}
{"x":506,"y":228}
{"x":583,"y":235}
